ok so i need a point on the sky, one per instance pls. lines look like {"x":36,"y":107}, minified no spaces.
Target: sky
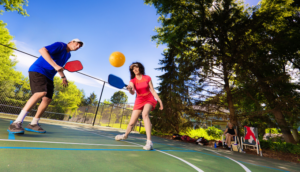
{"x":103,"y":26}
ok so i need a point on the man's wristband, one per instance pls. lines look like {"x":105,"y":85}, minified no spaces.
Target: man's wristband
{"x":63,"y":77}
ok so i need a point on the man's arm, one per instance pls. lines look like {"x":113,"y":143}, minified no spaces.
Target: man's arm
{"x":45,"y":54}
{"x":64,"y":79}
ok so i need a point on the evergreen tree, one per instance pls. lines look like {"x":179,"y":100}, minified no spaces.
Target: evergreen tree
{"x":171,"y":90}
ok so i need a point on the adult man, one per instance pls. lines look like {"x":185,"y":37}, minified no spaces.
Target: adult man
{"x":41,"y":74}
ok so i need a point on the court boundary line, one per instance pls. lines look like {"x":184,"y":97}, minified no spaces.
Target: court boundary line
{"x":70,"y":149}
{"x":180,"y":159}
{"x":189,"y":150}
{"x":68,"y":143}
{"x":242,"y":165}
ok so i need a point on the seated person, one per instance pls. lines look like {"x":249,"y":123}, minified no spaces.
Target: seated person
{"x":229,"y":133}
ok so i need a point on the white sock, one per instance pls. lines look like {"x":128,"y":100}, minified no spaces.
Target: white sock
{"x":21,"y":116}
{"x":35,"y":121}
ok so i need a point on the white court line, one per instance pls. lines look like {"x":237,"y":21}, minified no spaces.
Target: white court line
{"x":191,"y":165}
{"x":67,"y":143}
{"x":244,"y":167}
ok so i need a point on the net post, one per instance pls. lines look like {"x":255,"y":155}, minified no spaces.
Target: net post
{"x":112,"y":107}
{"x":98,"y":104}
{"x":122,"y":116}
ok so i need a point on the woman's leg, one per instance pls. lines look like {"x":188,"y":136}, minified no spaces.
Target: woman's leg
{"x":134,"y":116}
{"x":229,"y":137}
{"x":145,"y":113}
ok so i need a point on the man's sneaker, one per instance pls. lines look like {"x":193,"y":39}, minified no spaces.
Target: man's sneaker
{"x":120,"y":137}
{"x":149,"y":145}
{"x":15,"y":128}
{"x":35,"y":128}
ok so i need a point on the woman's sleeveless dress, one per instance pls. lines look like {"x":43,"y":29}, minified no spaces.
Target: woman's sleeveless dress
{"x":144,"y":96}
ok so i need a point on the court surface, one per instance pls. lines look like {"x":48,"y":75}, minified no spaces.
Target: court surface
{"x":71,"y":147}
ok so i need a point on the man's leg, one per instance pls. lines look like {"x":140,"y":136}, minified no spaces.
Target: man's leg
{"x":34,"y":125}
{"x":41,"y":109}
{"x":16,"y":126}
{"x":29,"y":105}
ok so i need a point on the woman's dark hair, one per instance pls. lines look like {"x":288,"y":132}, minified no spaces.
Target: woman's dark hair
{"x":141,"y":69}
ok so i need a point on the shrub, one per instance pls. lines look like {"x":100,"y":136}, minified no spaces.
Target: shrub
{"x":280,"y":146}
{"x":214,"y":132}
{"x":155,"y":133}
{"x":211,"y":133}
{"x":273,"y":130}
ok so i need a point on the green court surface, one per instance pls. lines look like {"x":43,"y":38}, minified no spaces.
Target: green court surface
{"x":73,"y":147}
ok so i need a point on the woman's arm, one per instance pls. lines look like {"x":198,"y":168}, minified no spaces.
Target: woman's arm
{"x":235,"y":133}
{"x":155,"y":95}
{"x":130,"y":88}
{"x":225,"y":131}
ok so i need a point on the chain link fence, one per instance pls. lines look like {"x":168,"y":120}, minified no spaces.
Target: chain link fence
{"x":108,"y":115}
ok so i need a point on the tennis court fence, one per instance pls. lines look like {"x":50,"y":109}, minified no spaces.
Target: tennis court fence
{"x":108,"y":115}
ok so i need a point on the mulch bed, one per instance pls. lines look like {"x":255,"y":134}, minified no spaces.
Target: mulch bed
{"x":266,"y":153}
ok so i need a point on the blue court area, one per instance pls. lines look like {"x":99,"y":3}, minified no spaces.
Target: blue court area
{"x":74,"y":147}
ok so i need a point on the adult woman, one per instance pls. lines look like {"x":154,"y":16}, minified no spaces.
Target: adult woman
{"x":230,"y":132}
{"x":144,"y":102}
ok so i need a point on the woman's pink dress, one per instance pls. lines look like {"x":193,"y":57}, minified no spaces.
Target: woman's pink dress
{"x":144,"y":96}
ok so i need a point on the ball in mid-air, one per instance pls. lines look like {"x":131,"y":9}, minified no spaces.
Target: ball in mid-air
{"x":117,"y":59}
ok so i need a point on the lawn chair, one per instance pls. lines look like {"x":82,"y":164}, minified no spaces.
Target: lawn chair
{"x":235,"y":141}
{"x":251,"y":139}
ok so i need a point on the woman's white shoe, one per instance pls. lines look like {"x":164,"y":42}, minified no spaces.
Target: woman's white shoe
{"x":120,"y":137}
{"x":149,"y":145}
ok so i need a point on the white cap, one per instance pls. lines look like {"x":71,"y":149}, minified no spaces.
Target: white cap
{"x":77,"y":40}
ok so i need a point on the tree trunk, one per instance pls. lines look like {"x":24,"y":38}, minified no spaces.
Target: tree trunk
{"x":271,"y":98}
{"x":295,"y":134}
{"x":232,"y":117}
{"x":286,"y":132}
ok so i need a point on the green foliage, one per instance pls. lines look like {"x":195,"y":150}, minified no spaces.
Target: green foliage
{"x":89,"y":101}
{"x":119,"y":98}
{"x":210,"y":134}
{"x":65,"y":98}
{"x":172,"y":93}
{"x":273,"y":131}
{"x":214,"y":132}
{"x":280,"y":146}
{"x":106,"y":101}
{"x":242,"y":52}
{"x":12,"y":83}
{"x":14,"y":5}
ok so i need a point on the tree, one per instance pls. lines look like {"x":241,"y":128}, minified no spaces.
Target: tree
{"x":65,"y":98}
{"x":14,"y":5}
{"x":119,"y":97}
{"x":9,"y":77}
{"x":172,"y":93}
{"x":225,"y":40}
{"x":106,"y":101}
{"x":207,"y":34}
{"x":272,"y":42}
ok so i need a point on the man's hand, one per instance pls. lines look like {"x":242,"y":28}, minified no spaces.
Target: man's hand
{"x":59,"y":68}
{"x":64,"y":82}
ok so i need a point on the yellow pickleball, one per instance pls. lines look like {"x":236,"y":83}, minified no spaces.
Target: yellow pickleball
{"x":117,"y":59}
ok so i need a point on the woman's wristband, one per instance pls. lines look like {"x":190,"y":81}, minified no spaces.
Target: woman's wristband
{"x":63,"y":77}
